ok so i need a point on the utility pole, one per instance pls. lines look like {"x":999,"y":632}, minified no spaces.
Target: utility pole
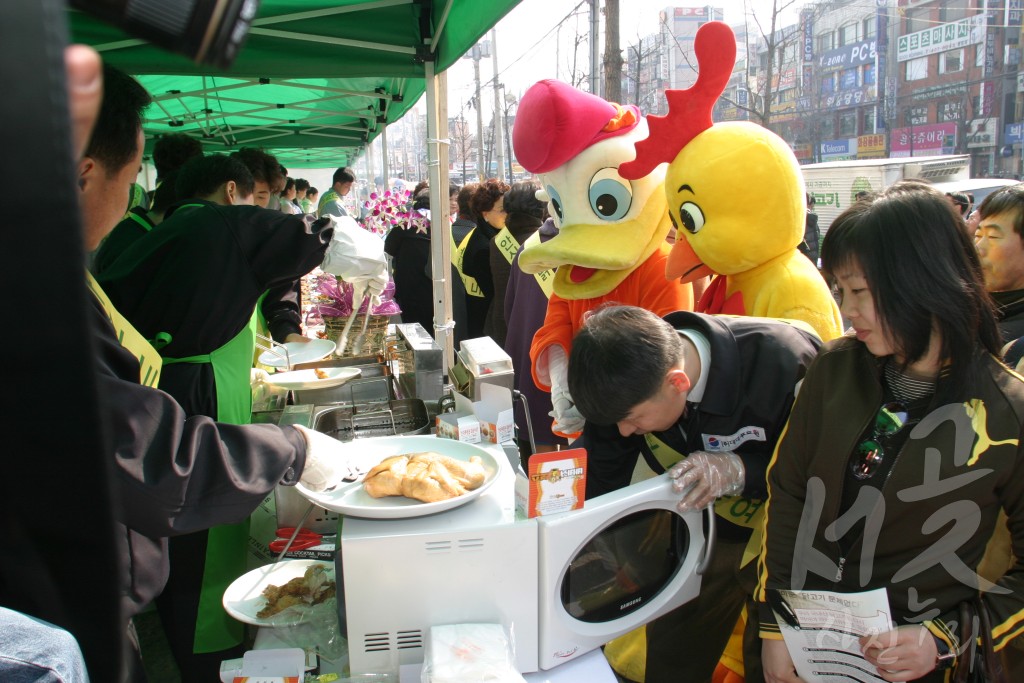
{"x":499,"y":144}
{"x":595,"y":26}
{"x":479,"y":115}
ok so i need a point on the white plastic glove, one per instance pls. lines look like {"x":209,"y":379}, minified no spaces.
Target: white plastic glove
{"x":567,"y":418}
{"x":325,"y":464}
{"x":370,"y":283}
{"x":357,"y":257}
{"x":708,"y":476}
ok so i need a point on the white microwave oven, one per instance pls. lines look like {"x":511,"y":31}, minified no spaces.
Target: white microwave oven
{"x":562,"y":585}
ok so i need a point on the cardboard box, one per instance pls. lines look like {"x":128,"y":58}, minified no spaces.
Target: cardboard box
{"x":324,"y":551}
{"x":460,"y":426}
{"x":556,"y":482}
{"x":494,"y":411}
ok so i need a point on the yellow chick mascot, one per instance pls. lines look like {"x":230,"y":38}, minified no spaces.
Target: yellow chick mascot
{"x":736,"y":196}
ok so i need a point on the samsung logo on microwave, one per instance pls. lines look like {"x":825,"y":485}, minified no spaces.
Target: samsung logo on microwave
{"x":630,"y":603}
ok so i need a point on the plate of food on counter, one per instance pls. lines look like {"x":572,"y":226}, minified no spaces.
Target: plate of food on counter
{"x":313,"y":378}
{"x":394,"y":477}
{"x":281,"y":355}
{"x":281,"y":594}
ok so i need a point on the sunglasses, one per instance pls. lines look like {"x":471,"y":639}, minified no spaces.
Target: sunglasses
{"x":890,"y":419}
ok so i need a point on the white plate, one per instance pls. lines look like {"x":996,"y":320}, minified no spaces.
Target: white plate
{"x":300,"y":380}
{"x":351,"y":499}
{"x":298,"y":352}
{"x":244,"y":597}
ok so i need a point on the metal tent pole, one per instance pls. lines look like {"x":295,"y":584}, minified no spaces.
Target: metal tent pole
{"x":440,"y":223}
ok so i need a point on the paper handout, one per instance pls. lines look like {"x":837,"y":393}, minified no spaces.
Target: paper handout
{"x":821,"y":630}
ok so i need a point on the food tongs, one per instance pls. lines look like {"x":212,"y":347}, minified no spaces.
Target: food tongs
{"x":360,"y":339}
{"x":275,"y":348}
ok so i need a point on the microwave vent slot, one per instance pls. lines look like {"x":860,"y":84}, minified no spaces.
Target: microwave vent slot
{"x":408,"y":640}
{"x":471,"y":544}
{"x":433,"y":547}
{"x":377,"y":642}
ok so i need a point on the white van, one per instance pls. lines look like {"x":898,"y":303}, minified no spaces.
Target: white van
{"x":979,"y":187}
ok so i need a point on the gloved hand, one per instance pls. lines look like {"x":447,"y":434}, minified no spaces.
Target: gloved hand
{"x":708,"y":476}
{"x":357,"y":257}
{"x":325,"y":463}
{"x":372,"y":283}
{"x":568,"y":419}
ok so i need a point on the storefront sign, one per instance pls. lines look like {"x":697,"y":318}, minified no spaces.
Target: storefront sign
{"x":870,"y":146}
{"x":839,"y":150}
{"x":857,"y":54}
{"x":937,"y":138}
{"x":939,"y":91}
{"x":1013,"y":134}
{"x":802,"y":152}
{"x":990,"y":52}
{"x":969,"y":31}
{"x":849,"y":98}
{"x":1013,"y":12}
{"x":806,"y":19}
{"x":983,"y":133}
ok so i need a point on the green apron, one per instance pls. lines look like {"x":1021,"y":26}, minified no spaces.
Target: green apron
{"x":226,"y":545}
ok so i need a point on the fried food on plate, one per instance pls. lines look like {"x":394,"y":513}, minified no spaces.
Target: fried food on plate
{"x":428,"y":477}
{"x":311,"y":588}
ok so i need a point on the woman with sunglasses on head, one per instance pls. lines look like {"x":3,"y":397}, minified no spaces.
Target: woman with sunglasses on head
{"x":903,"y":444}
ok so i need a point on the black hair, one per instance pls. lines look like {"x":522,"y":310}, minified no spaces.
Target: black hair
{"x":619,"y":359}
{"x":344,"y":175}
{"x":1006,"y":200}
{"x":466,"y":201}
{"x":301,"y":184}
{"x":961,"y":201}
{"x":114,"y":140}
{"x":263,"y":167}
{"x":312,"y":191}
{"x":166,"y":193}
{"x":522,"y":199}
{"x":289,"y":183}
{"x":422,"y":199}
{"x":202,"y":176}
{"x":170,"y":152}
{"x":923,"y":273}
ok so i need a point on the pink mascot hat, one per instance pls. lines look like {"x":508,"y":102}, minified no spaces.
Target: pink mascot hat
{"x":555,"y":122}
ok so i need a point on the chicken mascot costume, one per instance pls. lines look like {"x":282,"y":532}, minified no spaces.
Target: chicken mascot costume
{"x":736,"y":195}
{"x":611,"y":241}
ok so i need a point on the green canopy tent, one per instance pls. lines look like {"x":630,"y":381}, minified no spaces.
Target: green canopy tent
{"x":315,"y":83}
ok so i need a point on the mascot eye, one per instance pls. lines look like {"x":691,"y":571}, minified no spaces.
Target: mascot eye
{"x":556,"y":203}
{"x":691,"y":216}
{"x":610,"y":195}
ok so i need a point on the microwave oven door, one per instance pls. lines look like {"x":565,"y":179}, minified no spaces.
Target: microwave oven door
{"x":626,"y":558}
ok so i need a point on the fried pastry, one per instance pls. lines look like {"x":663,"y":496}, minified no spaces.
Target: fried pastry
{"x":428,"y":477}
{"x":312,"y":588}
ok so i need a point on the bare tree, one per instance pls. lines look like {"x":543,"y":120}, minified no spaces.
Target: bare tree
{"x":612,"y":90}
{"x":463,"y":142}
{"x":639,"y":53}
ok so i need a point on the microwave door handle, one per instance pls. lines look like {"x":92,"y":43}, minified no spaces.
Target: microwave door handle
{"x":709,"y":542}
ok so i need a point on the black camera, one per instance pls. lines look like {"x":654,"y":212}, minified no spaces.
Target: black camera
{"x":206,"y":31}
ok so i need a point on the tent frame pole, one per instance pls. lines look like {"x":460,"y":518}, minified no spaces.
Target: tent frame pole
{"x":440,"y":221}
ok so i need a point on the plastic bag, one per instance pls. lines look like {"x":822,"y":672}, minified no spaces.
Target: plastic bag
{"x":469,"y":653}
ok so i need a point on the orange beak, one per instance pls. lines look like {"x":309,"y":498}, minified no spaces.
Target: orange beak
{"x":684,"y":264}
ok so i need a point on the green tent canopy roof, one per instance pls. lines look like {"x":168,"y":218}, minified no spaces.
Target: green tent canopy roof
{"x":316,"y":79}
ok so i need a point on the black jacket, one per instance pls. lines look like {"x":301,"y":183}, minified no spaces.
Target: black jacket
{"x":755,"y":366}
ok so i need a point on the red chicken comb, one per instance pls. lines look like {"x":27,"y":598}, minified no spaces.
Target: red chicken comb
{"x":689,"y":111}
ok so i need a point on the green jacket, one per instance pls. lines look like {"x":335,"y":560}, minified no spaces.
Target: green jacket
{"x":959,"y":466}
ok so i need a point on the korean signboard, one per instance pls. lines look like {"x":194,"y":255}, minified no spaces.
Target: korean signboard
{"x":846,"y":57}
{"x":937,"y":138}
{"x":839,"y":150}
{"x":1013,"y":12}
{"x":871,"y":146}
{"x":849,"y":98}
{"x":1013,"y":134}
{"x":806,"y":19}
{"x":983,"y":133}
{"x":969,"y":31}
